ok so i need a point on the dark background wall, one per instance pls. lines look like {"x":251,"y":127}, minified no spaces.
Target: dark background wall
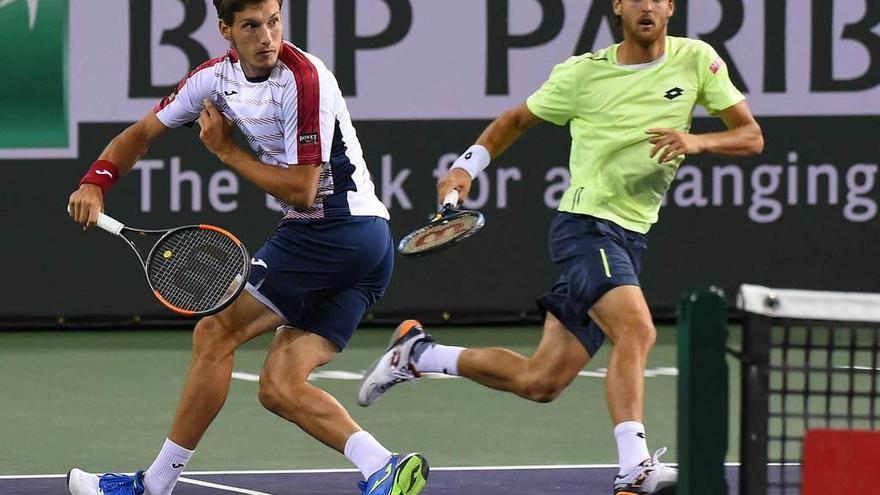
{"x":59,"y":270}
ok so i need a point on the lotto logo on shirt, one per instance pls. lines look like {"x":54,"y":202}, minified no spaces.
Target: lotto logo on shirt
{"x":310,"y":138}
{"x":33,"y":89}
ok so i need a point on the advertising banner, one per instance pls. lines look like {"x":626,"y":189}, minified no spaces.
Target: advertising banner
{"x":422,"y":79}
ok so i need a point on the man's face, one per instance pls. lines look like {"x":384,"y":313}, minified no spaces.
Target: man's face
{"x":255,"y":34}
{"x":644,"y":21}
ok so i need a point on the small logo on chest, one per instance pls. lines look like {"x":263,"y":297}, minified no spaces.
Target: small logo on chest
{"x":673,"y":93}
{"x":310,"y":138}
{"x":230,"y":93}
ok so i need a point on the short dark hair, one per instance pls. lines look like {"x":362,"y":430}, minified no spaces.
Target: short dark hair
{"x":226,"y":9}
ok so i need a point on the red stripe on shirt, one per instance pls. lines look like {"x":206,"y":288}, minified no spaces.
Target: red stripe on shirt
{"x":231,"y":55}
{"x":308,"y":104}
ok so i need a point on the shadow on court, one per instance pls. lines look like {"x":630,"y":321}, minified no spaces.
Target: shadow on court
{"x":447,"y":481}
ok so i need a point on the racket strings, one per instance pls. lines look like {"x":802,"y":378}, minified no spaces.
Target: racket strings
{"x":438,"y":234}
{"x":196,"y":269}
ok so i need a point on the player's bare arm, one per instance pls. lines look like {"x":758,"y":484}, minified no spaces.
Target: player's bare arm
{"x":124,"y":151}
{"x":296,"y":185}
{"x":496,"y":138}
{"x":743,"y":137}
{"x":506,"y":129}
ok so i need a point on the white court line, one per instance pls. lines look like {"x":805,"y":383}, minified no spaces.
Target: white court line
{"x":31,"y":476}
{"x":346,"y":470}
{"x":350,"y":375}
{"x":317,"y":375}
{"x":351,"y":470}
{"x":858,"y":368}
{"x":248,"y":377}
{"x":221,"y":487}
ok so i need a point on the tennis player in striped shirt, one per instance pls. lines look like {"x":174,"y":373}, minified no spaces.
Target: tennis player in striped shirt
{"x":329,"y":259}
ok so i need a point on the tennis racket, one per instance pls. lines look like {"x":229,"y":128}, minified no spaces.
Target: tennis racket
{"x":195,"y":270}
{"x":448,"y":227}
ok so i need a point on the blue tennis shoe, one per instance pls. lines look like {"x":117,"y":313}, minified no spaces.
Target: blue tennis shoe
{"x":404,"y":475}
{"x":80,"y":482}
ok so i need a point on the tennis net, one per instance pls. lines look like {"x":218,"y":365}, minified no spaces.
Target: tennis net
{"x":809,"y":361}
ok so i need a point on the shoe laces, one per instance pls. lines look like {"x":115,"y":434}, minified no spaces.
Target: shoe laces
{"x":402,"y":374}
{"x":656,"y":458}
{"x":112,"y":483}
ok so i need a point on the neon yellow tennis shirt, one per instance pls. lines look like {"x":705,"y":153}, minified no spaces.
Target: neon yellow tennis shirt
{"x":610,"y":106}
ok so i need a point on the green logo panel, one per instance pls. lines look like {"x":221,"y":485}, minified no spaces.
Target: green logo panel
{"x":33,"y":89}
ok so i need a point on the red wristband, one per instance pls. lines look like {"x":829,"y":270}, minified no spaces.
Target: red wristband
{"x":103,"y":173}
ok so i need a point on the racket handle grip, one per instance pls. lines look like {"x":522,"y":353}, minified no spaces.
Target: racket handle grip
{"x":109,"y":224}
{"x":451,"y":199}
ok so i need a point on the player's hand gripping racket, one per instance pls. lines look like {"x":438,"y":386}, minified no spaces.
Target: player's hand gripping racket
{"x":195,"y":270}
{"x":448,"y":227}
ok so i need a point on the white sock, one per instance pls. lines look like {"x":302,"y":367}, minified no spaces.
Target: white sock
{"x":632,"y":445}
{"x":367,"y":454}
{"x":431,"y":357}
{"x":162,"y":475}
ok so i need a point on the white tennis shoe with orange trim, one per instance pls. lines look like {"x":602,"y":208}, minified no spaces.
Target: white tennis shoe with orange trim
{"x":394,"y":365}
{"x":651,"y":477}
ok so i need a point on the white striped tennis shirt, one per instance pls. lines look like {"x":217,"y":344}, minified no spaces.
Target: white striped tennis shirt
{"x":295,"y":116}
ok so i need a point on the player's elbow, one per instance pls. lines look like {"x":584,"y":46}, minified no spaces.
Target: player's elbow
{"x":758,"y":145}
{"x":299,"y":186}
{"x":521,"y":118}
{"x":299,"y":201}
{"x":756,"y":140}
{"x":300,"y":198}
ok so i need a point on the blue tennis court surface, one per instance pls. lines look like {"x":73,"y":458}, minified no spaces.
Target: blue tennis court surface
{"x":514,"y":480}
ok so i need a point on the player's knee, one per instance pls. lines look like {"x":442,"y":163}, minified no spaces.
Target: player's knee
{"x":647,"y":335}
{"x":211,"y":340}
{"x":270,"y":393}
{"x":639,"y":334}
{"x":541,"y":389}
{"x":268,"y":396}
{"x":279,"y":395}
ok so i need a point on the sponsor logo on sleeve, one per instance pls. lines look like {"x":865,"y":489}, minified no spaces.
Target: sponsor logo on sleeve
{"x":716,"y":65}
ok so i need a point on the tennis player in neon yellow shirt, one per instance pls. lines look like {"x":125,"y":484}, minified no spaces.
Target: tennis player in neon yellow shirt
{"x":629,"y":110}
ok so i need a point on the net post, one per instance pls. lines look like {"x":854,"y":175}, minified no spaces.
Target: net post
{"x":703,"y":392}
{"x":755,"y":403}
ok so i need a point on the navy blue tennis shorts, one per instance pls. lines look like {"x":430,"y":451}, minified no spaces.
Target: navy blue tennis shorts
{"x":322,"y":277}
{"x":592,"y":257}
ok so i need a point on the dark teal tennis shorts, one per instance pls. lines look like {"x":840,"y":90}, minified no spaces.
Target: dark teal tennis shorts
{"x":592,"y":257}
